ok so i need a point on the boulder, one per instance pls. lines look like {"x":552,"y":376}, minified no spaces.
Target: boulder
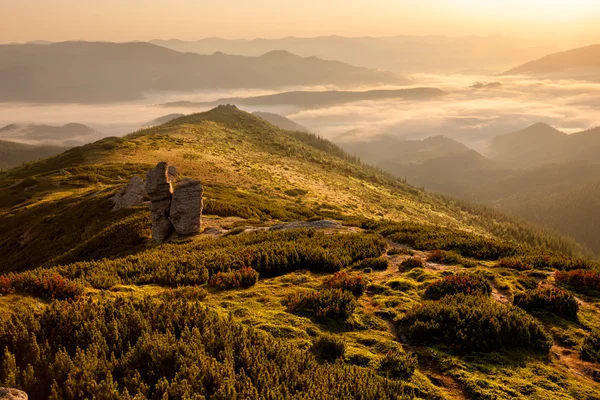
{"x":130,"y":195}
{"x":160,"y":191}
{"x":12,"y":394}
{"x":186,"y":207}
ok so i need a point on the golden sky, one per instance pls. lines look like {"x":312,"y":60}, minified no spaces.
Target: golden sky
{"x":125,"y":20}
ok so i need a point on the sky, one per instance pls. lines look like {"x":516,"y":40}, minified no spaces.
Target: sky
{"x":127,"y":20}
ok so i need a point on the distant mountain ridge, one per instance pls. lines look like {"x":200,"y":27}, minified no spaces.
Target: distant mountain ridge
{"x":92,"y":72}
{"x":580,"y":62}
{"x":414,"y":54}
{"x":310,"y":99}
{"x":541,"y":144}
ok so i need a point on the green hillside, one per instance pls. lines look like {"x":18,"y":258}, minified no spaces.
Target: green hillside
{"x":13,"y":153}
{"x":262,"y":306}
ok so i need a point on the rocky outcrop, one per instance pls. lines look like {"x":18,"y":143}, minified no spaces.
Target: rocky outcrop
{"x":160,"y":191}
{"x":12,"y":394}
{"x":178,"y":210}
{"x":186,"y":207}
{"x":131,"y":195}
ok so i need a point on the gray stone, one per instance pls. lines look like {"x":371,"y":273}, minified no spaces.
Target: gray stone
{"x":12,"y":394}
{"x":186,"y":207}
{"x":130,"y":195}
{"x":158,"y":188}
{"x":172,"y":172}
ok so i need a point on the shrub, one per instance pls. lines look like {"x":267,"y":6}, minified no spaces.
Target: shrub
{"x":590,"y":351}
{"x":513,"y":263}
{"x":400,"y":250}
{"x":271,"y":254}
{"x":580,"y":280}
{"x":150,"y":348}
{"x":444,"y":257}
{"x":376,"y":264}
{"x":434,"y":237}
{"x":411,"y":263}
{"x":547,"y":261}
{"x":326,"y":304}
{"x":472,"y":284}
{"x":342,"y":280}
{"x":243,"y":277}
{"x":397,"y":365}
{"x":41,"y":283}
{"x":329,"y":348}
{"x":474,"y":323}
{"x":550,"y":299}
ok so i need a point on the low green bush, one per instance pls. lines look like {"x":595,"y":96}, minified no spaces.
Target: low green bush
{"x":411,"y":263}
{"x":355,"y":284}
{"x":375,"y":264}
{"x":590,"y":351}
{"x":155,"y":349}
{"x":329,"y":347}
{"x":474,"y":323}
{"x":240,"y":278}
{"x":41,"y":283}
{"x":397,"y":365}
{"x":470,"y":284}
{"x":326,"y":304}
{"x":581,"y":280}
{"x":550,"y":299}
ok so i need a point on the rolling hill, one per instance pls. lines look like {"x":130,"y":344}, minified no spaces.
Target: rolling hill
{"x":92,"y":72}
{"x":315,"y":276}
{"x":581,"y":62}
{"x":38,"y":134}
{"x":13,"y":154}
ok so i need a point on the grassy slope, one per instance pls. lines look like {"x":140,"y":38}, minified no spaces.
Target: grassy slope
{"x":247,"y":166}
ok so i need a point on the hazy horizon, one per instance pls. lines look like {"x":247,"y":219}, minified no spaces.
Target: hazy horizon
{"x":65,"y":20}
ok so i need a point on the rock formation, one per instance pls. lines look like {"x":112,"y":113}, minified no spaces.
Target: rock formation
{"x":186,"y":207}
{"x":131,"y":195}
{"x":158,"y":188}
{"x":12,"y":394}
{"x":179,"y":210}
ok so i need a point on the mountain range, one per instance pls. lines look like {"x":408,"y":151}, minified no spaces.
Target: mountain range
{"x":538,"y":173}
{"x":412,"y":54}
{"x":93,"y":72}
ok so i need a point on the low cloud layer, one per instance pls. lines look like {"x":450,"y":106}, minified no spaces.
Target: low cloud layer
{"x":466,"y":114}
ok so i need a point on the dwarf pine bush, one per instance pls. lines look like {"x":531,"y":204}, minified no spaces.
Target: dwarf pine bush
{"x":474,"y":323}
{"x":151,"y":348}
{"x":474,"y":284}
{"x":550,"y":299}
{"x":355,"y":284}
{"x":336,"y":304}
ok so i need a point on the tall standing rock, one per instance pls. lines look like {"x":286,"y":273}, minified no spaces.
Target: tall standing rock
{"x":186,"y":207}
{"x":158,"y":188}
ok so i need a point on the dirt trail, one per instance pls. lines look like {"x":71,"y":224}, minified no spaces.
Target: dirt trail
{"x":428,"y":365}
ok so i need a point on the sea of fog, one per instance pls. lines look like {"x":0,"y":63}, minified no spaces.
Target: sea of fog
{"x":469,"y":115}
